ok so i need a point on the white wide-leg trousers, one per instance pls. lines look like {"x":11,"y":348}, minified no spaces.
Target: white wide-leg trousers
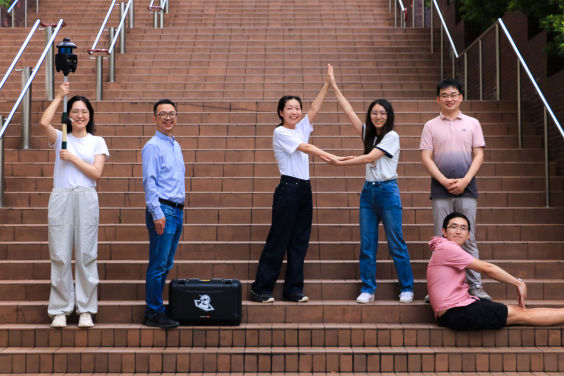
{"x":73,"y":220}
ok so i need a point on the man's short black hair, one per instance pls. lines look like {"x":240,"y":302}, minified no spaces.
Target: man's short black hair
{"x":455,"y":215}
{"x":449,"y":82}
{"x":163,"y":101}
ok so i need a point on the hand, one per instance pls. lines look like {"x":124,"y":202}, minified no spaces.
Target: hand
{"x":331,"y":76}
{"x":160,"y":225}
{"x":330,"y":160}
{"x":346,"y":158}
{"x":521,"y":294}
{"x":64,"y":89}
{"x":66,"y":155}
{"x":457,"y":188}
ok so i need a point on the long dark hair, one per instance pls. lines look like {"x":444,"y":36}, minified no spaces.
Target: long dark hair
{"x":282,"y":104}
{"x":91,"y":126}
{"x":370,"y":129}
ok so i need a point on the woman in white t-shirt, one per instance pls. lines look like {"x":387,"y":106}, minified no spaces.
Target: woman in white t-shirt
{"x":380,"y":197}
{"x":73,"y":212}
{"x":292,"y":207}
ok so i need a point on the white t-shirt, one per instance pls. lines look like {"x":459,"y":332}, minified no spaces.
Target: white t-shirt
{"x":67,"y":174}
{"x":385,"y":167}
{"x":292,"y":162}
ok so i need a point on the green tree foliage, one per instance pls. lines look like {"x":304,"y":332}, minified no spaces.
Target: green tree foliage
{"x":549,"y":13}
{"x":5,"y":3}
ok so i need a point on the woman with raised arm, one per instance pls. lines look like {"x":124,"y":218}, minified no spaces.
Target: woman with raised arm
{"x":73,"y":212}
{"x":380,"y":197}
{"x":292,"y":207}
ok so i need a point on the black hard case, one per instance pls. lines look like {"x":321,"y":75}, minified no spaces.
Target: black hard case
{"x":206,"y":302}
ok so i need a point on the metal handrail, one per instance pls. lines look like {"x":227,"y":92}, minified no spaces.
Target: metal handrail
{"x":19,"y":54}
{"x":156,"y":10}
{"x":94,"y":49}
{"x":443,"y":23}
{"x":122,"y":22}
{"x":35,"y":70}
{"x":12,"y":6}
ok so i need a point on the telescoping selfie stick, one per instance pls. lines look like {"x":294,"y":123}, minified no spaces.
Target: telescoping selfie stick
{"x":66,"y":62}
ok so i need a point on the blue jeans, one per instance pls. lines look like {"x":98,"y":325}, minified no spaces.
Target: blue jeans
{"x":161,"y":256}
{"x":380,"y":201}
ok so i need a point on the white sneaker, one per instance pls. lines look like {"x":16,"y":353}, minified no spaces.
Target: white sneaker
{"x":59,"y":321}
{"x":85,"y":321}
{"x":406,"y":297}
{"x":365,"y":298}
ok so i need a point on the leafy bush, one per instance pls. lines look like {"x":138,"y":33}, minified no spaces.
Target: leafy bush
{"x":549,"y":13}
{"x":5,"y":3}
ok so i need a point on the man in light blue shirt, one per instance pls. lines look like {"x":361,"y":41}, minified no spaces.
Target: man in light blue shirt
{"x":163,"y":182}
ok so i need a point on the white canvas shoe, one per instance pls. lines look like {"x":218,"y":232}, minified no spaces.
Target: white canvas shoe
{"x":406,"y":297}
{"x":85,"y":320}
{"x":365,"y":298}
{"x":59,"y":321}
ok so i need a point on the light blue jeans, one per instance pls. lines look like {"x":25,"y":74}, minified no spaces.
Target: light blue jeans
{"x":380,"y":201}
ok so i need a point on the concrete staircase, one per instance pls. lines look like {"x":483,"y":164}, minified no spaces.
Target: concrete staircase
{"x":226,"y":63}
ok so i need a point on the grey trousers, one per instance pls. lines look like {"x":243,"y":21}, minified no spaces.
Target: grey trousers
{"x":73,"y":220}
{"x":467,"y":206}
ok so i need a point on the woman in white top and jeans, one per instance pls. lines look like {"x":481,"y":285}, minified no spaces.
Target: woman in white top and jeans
{"x":73,"y":211}
{"x":292,"y":207}
{"x":380,"y":197}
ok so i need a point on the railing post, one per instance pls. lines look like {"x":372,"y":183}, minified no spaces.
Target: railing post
{"x":481,"y":77}
{"x":13,"y":17}
{"x":122,"y":33}
{"x":99,"y":80}
{"x":132,"y":14}
{"x":37,"y":6}
{"x":155,"y":19}
{"x":49,"y":66}
{"x":546,"y":166}
{"x":519,"y":119}
{"x":423,"y":13}
{"x":453,"y":63}
{"x":2,"y":186}
{"x":497,"y":63}
{"x":432,"y":28}
{"x":466,"y":74}
{"x":112,"y":57}
{"x":412,"y":13}
{"x":395,"y":13}
{"x":161,"y":16}
{"x":390,"y":6}
{"x":166,"y":6}
{"x":26,"y":109}
{"x":25,"y":13}
{"x":442,"y":55}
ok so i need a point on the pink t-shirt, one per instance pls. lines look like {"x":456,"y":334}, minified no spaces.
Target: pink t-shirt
{"x":451,"y":142}
{"x":446,"y":275}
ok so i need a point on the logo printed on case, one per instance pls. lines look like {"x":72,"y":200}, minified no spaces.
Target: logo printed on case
{"x":204,"y":303}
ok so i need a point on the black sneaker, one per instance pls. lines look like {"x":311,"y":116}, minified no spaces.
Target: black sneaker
{"x":162,"y":321}
{"x":261,"y":298}
{"x":297,"y":297}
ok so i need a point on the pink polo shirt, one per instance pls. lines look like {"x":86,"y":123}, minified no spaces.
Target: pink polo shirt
{"x":446,"y":275}
{"x":452,"y":142}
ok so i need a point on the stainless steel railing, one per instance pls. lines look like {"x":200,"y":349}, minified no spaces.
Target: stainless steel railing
{"x":101,"y":53}
{"x":521,"y":64}
{"x":25,"y":92}
{"x":158,"y":12}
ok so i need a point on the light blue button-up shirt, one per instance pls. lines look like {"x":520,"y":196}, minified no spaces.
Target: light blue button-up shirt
{"x":163,"y":173}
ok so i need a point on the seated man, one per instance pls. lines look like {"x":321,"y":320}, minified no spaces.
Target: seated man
{"x":454,"y":307}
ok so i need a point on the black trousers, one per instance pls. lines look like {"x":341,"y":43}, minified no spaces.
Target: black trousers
{"x":292,"y":213}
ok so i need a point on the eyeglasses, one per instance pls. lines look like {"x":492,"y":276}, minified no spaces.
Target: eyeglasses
{"x":461,"y":228}
{"x":164,"y":115}
{"x":451,"y":96}
{"x":76,"y":112}
{"x":375,"y":113}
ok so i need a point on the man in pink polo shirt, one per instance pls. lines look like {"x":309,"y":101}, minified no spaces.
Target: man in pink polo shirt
{"x":454,"y":307}
{"x":452,"y":150}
